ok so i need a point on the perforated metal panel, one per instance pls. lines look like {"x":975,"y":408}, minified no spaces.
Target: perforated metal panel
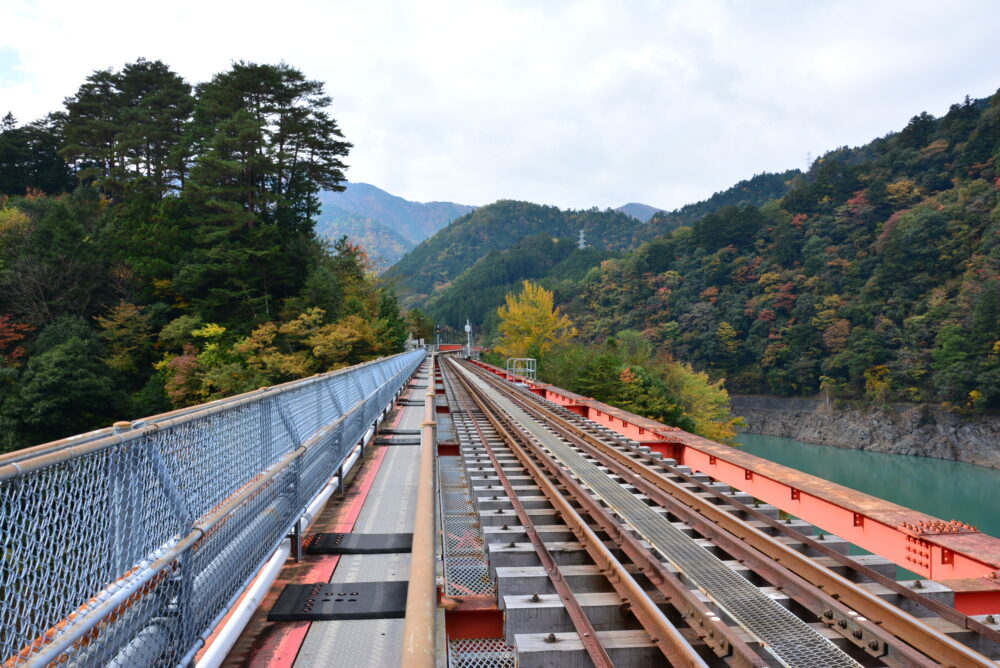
{"x":480,"y":653}
{"x":465,"y":567}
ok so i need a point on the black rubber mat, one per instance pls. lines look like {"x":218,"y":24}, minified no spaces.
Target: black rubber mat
{"x":360,"y":543}
{"x":397,"y":441}
{"x":337,"y":600}
{"x":400,"y":432}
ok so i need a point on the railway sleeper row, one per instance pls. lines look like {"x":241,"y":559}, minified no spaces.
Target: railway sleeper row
{"x":537,"y":625}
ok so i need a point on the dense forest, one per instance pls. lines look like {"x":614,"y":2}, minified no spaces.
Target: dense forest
{"x":437,"y":261}
{"x":875,"y":276}
{"x":465,"y":270}
{"x":157,"y":249}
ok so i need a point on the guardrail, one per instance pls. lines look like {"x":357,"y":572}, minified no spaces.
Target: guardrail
{"x":127,"y":547}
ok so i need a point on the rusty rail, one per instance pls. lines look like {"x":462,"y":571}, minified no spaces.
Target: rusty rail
{"x":671,"y":643}
{"x":582,"y":624}
{"x":829,"y":595}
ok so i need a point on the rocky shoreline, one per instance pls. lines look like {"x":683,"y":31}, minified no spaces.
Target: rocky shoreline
{"x":906,"y":429}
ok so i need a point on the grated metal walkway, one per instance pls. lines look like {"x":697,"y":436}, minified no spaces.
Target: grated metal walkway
{"x":789,"y":639}
{"x":389,"y":508}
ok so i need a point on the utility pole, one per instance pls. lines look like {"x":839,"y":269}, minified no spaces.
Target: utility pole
{"x":468,"y":336}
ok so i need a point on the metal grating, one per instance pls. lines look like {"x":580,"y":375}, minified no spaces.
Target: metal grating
{"x":465,"y":567}
{"x":480,"y":653}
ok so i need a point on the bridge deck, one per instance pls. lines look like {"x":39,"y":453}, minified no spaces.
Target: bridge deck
{"x":380,"y":498}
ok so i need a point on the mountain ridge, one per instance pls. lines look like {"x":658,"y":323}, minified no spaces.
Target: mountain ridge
{"x":387,"y":225}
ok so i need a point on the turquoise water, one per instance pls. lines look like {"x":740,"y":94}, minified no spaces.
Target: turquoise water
{"x":944,"y":489}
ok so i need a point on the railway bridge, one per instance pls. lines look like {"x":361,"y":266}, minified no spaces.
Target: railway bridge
{"x":427,"y":510}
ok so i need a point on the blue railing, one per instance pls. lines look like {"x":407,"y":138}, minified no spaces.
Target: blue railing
{"x":126,"y":546}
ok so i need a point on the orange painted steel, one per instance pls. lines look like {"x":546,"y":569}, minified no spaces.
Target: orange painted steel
{"x":485,"y":623}
{"x":961,"y":557}
{"x":830,"y":596}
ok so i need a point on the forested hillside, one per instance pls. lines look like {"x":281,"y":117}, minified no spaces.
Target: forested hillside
{"x":478,"y":291}
{"x":876,"y":275}
{"x":157,"y":249}
{"x":756,"y":190}
{"x":432,"y":265}
{"x":382,"y":244}
{"x":465,"y":270}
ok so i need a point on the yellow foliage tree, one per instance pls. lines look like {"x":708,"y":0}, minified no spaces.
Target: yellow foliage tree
{"x":704,"y":401}
{"x":128,"y":333}
{"x":530,"y":323}
{"x":305,"y":345}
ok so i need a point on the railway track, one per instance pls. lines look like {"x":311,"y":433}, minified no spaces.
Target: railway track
{"x":699,"y":576}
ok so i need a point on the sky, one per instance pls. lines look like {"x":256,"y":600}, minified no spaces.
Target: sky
{"x":576,"y":104}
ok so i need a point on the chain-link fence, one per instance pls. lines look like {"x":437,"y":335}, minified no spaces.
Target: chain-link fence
{"x":126,"y":547}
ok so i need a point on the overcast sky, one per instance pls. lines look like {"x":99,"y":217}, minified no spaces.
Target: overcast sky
{"x":578,"y":104}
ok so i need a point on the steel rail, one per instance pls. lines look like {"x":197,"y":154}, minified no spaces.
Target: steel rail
{"x":584,"y":628}
{"x":669,"y":640}
{"x":719,"y":637}
{"x":946,"y":612}
{"x":867,"y":635}
{"x":880,"y":617}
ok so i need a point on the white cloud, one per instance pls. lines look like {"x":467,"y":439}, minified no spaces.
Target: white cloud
{"x":571,"y":103}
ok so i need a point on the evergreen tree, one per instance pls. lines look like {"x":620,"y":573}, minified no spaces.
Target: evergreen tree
{"x":29,"y":156}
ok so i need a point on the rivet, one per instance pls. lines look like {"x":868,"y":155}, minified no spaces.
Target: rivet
{"x":551,"y":638}
{"x":535,"y":598}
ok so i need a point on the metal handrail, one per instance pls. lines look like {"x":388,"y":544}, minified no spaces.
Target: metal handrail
{"x":123,"y":548}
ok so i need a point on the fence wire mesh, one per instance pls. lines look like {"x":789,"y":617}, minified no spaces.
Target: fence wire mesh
{"x":126,"y":548}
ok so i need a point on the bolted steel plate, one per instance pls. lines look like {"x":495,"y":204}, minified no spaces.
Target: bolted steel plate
{"x":338,"y":600}
{"x":360,"y":543}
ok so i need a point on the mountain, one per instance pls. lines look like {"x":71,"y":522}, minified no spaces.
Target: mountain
{"x":496,"y":245}
{"x":641,"y":211}
{"x":387,"y":225}
{"x":756,"y":190}
{"x":382,"y":244}
{"x":875,"y":275}
{"x":477,"y":292}
{"x":437,"y":261}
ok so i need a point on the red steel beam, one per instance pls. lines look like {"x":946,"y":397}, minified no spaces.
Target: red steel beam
{"x":960,"y":557}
